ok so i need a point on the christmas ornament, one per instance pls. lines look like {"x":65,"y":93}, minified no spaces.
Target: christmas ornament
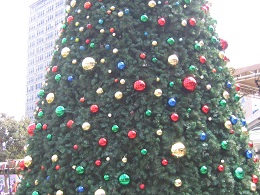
{"x":189,"y":83}
{"x":173,"y":59}
{"x":60,"y":110}
{"x":35,"y":193}
{"x":115,"y":128}
{"x":248,"y":154}
{"x":161,"y":21}
{"x":121,"y":65}
{"x":239,"y":173}
{"x":139,"y":85}
{"x":221,"y":168}
{"x":70,"y":123}
{"x":88,"y":63}
{"x":159,"y":132}
{"x":192,"y":21}
{"x":170,"y":41}
{"x":253,"y":187}
{"x":124,"y":179}
{"x":106,"y":177}
{"x":205,"y":109}
{"x":223,"y":103}
{"x":80,"y":189}
{"x":80,"y":170}
{"x":124,"y":159}
{"x":172,"y":102}
{"x":158,"y":92}
{"x":144,"y":18}
{"x":65,"y":52}
{"x":85,"y":126}
{"x":203,"y":136}
{"x":142,"y":186}
{"x":152,"y":4}
{"x":118,"y":95}
{"x":54,"y":158}
{"x":178,"y":149}
{"x":98,"y":163}
{"x":70,"y":19}
{"x":49,"y":136}
{"x":174,"y":117}
{"x":40,"y":93}
{"x":100,"y":192}
{"x":177,"y":183}
{"x":164,"y":162}
{"x":132,"y":134}
{"x":144,"y":151}
{"x":57,"y":77}
{"x":184,"y":22}
{"x":228,"y":124}
{"x":142,"y":55}
{"x":148,"y":112}
{"x":31,"y":129}
{"x":27,"y":161}
{"x":233,"y":119}
{"x":59,"y":192}
{"x":254,"y":178}
{"x":99,"y":90}
{"x":203,"y":170}
{"x":94,"y":108}
{"x":226,"y":95}
{"x":102,"y":142}
{"x":202,"y":59}
{"x":237,"y":87}
{"x":50,"y":98}
{"x":87,"y":5}
{"x":75,"y":147}
{"x":224,"y":145}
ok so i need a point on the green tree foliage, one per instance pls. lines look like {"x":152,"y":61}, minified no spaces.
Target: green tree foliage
{"x":139,"y":100}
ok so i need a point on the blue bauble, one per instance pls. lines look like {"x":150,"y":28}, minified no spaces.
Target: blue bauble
{"x":100,"y":21}
{"x":121,"y":65}
{"x":70,"y":78}
{"x":81,"y":48}
{"x":172,"y":102}
{"x":203,"y":136}
{"x":229,"y":85}
{"x":127,"y":11}
{"x":249,"y":154}
{"x":243,"y":122}
{"x":107,"y":47}
{"x":80,"y":189}
{"x":233,"y":119}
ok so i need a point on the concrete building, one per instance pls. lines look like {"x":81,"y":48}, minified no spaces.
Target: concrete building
{"x":45,"y":17}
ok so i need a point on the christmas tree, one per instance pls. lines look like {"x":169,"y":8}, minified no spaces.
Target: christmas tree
{"x":139,"y":100}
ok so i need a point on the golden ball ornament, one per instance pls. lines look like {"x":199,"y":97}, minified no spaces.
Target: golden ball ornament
{"x":122,"y":81}
{"x":221,"y":54}
{"x":74,"y":61}
{"x":109,"y":71}
{"x":27,"y":161}
{"x":59,"y":192}
{"x":228,"y":124}
{"x":109,"y":115}
{"x":158,"y":79}
{"x":115,"y":51}
{"x":88,"y":63}
{"x":65,"y":52}
{"x":102,"y":60}
{"x":54,"y":158}
{"x":85,"y":126}
{"x":36,"y":182}
{"x":100,"y":192}
{"x":244,"y":131}
{"x":178,"y":149}
{"x":253,"y":187}
{"x":102,"y":31}
{"x":118,"y":95}
{"x":154,"y":43}
{"x":177,"y":182}
{"x":81,"y":29}
{"x":76,"y":40}
{"x":73,"y":3}
{"x":184,"y":22}
{"x":173,"y":59}
{"x":158,"y":92}
{"x":124,"y":159}
{"x":159,"y":132}
{"x":226,"y":95}
{"x":42,"y":102}
{"x":112,"y":8}
{"x":67,"y":8}
{"x":120,"y":14}
{"x":99,"y":90}
{"x":79,"y":11}
{"x":152,"y":4}
{"x":208,"y":87}
{"x":76,"y":23}
{"x":50,"y":98}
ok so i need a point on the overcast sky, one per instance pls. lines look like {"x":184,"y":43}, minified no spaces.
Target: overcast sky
{"x":238,"y":23}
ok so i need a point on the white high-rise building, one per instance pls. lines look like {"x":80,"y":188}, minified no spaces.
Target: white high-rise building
{"x":44,"y":19}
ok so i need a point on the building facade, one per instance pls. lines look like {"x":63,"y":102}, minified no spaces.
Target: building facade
{"x":44,"y":19}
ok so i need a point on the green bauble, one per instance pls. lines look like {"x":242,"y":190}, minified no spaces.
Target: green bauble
{"x":170,"y":41}
{"x":80,"y":169}
{"x":171,"y":84}
{"x":35,"y":193}
{"x":197,"y":46}
{"x":187,"y":1}
{"x":40,"y":114}
{"x":124,"y":179}
{"x":223,"y":103}
{"x":203,"y":170}
{"x":239,"y":173}
{"x":27,"y":184}
{"x":148,"y":113}
{"x":192,"y":68}
{"x":58,"y":77}
{"x":49,"y":136}
{"x":144,"y":18}
{"x":60,"y":110}
{"x":106,"y":177}
{"x":224,"y":145}
{"x":115,"y":128}
{"x":143,"y":151}
{"x":41,"y":93}
{"x":39,"y":126}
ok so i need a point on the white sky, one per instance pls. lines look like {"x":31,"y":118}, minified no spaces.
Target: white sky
{"x":238,"y":23}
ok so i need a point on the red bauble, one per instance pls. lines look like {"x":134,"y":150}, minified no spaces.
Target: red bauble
{"x":132,"y":134}
{"x":254,"y":178}
{"x":82,"y":99}
{"x":98,"y":163}
{"x":223,"y":44}
{"x":237,"y":87}
{"x":205,"y":9}
{"x":42,"y":168}
{"x":70,"y":123}
{"x":256,"y":159}
{"x":142,"y":55}
{"x":139,"y":85}
{"x":221,"y":168}
{"x":111,"y":30}
{"x":89,"y":26}
{"x":70,"y":19}
{"x":205,"y":109}
{"x":87,"y":5}
{"x":102,"y":142}
{"x":189,"y":83}
{"x":164,"y":162}
{"x":31,"y":129}
{"x":54,"y":69}
{"x":94,"y":108}
{"x":87,"y":41}
{"x":44,"y":127}
{"x":161,"y":21}
{"x":203,"y":59}
{"x":57,"y":167}
{"x":22,"y":165}
{"x":142,"y":186}
{"x":231,"y":131}
{"x":174,"y":117}
{"x":250,"y":144}
{"x":75,"y":147}
{"x":192,"y":22}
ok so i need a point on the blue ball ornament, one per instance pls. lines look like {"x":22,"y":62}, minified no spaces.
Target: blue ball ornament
{"x":203,"y":136}
{"x":120,"y":65}
{"x":243,"y":122}
{"x":80,"y":189}
{"x":229,"y":85}
{"x":100,"y":21}
{"x":82,"y":48}
{"x":145,"y":33}
{"x":70,"y":78}
{"x":127,"y":11}
{"x":172,"y":102}
{"x":233,"y":119}
{"x":249,"y":154}
{"x":107,"y":46}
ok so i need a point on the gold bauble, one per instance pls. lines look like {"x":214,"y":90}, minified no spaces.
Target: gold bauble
{"x":102,"y":60}
{"x":112,"y":8}
{"x":253,"y":187}
{"x":67,"y":8}
{"x":99,"y":90}
{"x":50,"y":98}
{"x":36,"y":182}
{"x":158,"y":92}
{"x":124,"y":159}
{"x":151,"y":4}
{"x":54,"y":158}
{"x":27,"y":161}
{"x":74,"y":61}
{"x":118,"y":95}
{"x":228,"y":124}
{"x":79,"y":11}
{"x":73,"y":3}
{"x":115,"y":51}
{"x":159,"y":132}
{"x":177,"y":182}
{"x":226,"y":95}
{"x":244,"y":131}
{"x":65,"y":52}
{"x":59,"y":192}
{"x":88,"y":63}
{"x":208,"y":86}
{"x":77,"y":40}
{"x":154,"y":43}
{"x":184,"y":23}
{"x":81,"y":29}
{"x":173,"y":59}
{"x":100,"y":192}
{"x":221,"y":54}
{"x":76,"y":23}
{"x":178,"y":149}
{"x":120,"y":14}
{"x":85,"y":126}
{"x":122,"y":81}
{"x":102,"y":31}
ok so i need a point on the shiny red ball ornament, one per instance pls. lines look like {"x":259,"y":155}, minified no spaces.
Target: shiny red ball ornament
{"x":70,"y":123}
{"x":111,"y":30}
{"x":89,"y":26}
{"x":87,"y":41}
{"x":192,"y":22}
{"x":203,"y":59}
{"x":142,"y":186}
{"x":256,"y":159}
{"x":54,"y":69}
{"x":102,"y":142}
{"x":161,"y":21}
{"x":98,"y":163}
{"x":87,"y":5}
{"x":22,"y":165}
{"x":94,"y":108}
{"x":82,"y":99}
{"x":174,"y":117}
{"x":75,"y":147}
{"x":42,"y":168}
{"x":223,"y":44}
{"x":237,"y":87}
{"x":205,"y":109}
{"x":57,"y":167}
{"x":44,"y":127}
{"x":254,"y":178}
{"x":231,"y":131}
{"x":189,"y":83}
{"x":132,"y":134}
{"x":139,"y":85}
{"x":31,"y":129}
{"x":116,"y":80}
{"x":70,"y":19}
{"x":250,"y":144}
{"x":164,"y":162}
{"x":205,"y":9}
{"x":142,"y":55}
{"x":221,"y":168}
